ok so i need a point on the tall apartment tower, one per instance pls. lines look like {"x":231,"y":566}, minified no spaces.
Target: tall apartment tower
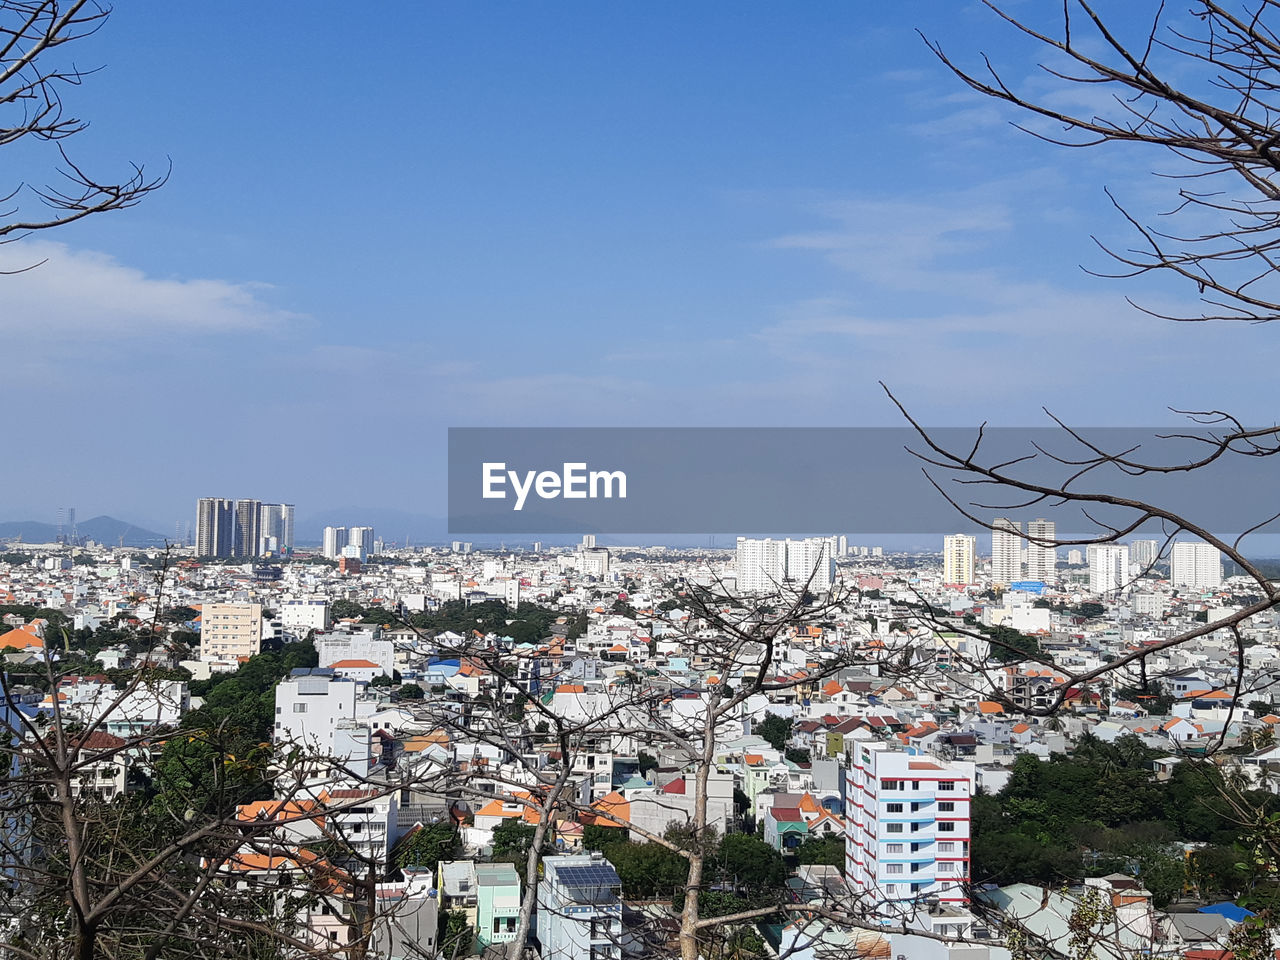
{"x":906,"y":827}
{"x":1142,"y":554}
{"x":1042,"y":559}
{"x":1006,"y":551}
{"x":335,"y":540}
{"x":246,"y":533}
{"x":275,"y":528}
{"x":1195,"y":565}
{"x":215,"y":527}
{"x":809,"y":562}
{"x":958,"y":551}
{"x":761,"y":565}
{"x":361,"y":537}
{"x":1108,"y":567}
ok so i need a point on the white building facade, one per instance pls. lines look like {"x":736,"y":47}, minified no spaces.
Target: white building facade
{"x":906,"y":828}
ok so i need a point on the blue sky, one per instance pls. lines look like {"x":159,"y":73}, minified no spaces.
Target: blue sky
{"x":384,"y":223}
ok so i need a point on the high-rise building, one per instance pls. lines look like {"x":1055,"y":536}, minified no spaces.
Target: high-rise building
{"x":215,"y":527}
{"x":842,"y":546}
{"x":765,"y":566}
{"x":1142,"y":554}
{"x":958,"y":552}
{"x":1108,"y":567}
{"x":335,"y":539}
{"x":1195,"y":565}
{"x":760,"y":565}
{"x":275,"y":528}
{"x":246,"y":533}
{"x":809,"y":563}
{"x":1075,"y":557}
{"x":1006,"y":551}
{"x":361,"y":537}
{"x":1042,"y":557}
{"x":589,"y":541}
{"x":907,"y":827}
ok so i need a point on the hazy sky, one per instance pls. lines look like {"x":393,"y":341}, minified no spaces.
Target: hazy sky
{"x":390,"y":219}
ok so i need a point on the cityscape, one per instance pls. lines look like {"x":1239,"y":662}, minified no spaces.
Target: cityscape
{"x":754,"y":482}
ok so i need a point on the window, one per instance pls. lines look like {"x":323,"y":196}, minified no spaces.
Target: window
{"x":945,"y":866}
{"x":893,"y":868}
{"x":893,"y":808}
{"x":947,"y":826}
{"x":893,"y":828}
{"x":893,"y":848}
{"x":299,"y":708}
{"x":947,"y":785}
{"x":946,"y":806}
{"x":891,"y":785}
{"x":946,"y":846}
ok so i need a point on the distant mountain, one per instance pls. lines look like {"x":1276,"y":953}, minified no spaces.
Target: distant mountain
{"x":103,"y":529}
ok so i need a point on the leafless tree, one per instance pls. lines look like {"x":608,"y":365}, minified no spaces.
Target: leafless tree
{"x":1203,"y":85}
{"x":36,"y":71}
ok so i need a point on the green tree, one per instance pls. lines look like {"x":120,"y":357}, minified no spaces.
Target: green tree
{"x":822,"y":850}
{"x":751,"y":865}
{"x":775,"y":729}
{"x":427,"y":845}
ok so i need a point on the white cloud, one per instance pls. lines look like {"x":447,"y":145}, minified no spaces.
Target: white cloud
{"x":93,"y":296}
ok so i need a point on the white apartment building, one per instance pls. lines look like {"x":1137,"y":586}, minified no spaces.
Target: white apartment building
{"x":366,"y":644}
{"x":906,"y":828}
{"x":958,"y":552}
{"x":760,"y":565}
{"x":593,"y":561}
{"x":229,"y":630}
{"x":580,"y":908}
{"x":764,"y":566}
{"x":1006,"y":551}
{"x":810,"y":561}
{"x":300,"y":616}
{"x":1143,"y":553}
{"x":309,"y":704}
{"x":363,"y":538}
{"x":335,"y":539}
{"x":1108,"y":567}
{"x":1042,"y":560}
{"x":1195,"y":565}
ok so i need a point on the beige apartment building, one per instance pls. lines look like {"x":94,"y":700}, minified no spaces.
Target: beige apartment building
{"x":230,"y":630}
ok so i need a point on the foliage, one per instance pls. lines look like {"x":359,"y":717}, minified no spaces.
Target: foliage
{"x":427,"y":845}
{"x":1009,"y":645}
{"x":1101,"y":810}
{"x":512,"y":839}
{"x":751,"y":865}
{"x":647,"y":870}
{"x":454,"y":934}
{"x":822,"y":850}
{"x":775,"y":729}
